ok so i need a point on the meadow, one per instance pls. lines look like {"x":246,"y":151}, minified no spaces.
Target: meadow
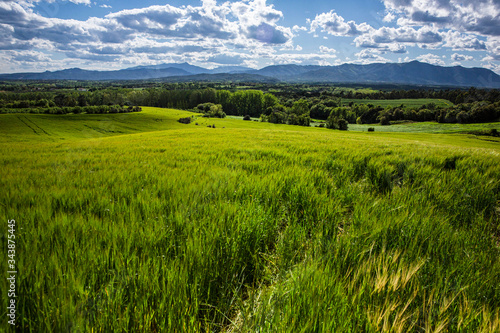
{"x":137,"y":223}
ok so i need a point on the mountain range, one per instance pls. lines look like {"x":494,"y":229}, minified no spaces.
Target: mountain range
{"x":411,"y":73}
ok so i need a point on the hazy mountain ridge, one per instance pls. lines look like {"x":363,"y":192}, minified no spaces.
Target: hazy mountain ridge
{"x":414,"y":72}
{"x":405,"y":73}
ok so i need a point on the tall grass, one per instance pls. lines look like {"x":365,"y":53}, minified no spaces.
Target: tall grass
{"x":253,"y":229}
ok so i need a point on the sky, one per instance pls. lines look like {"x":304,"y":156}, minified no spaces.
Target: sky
{"x":40,"y":35}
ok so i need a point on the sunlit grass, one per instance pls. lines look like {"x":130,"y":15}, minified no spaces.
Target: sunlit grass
{"x":248,"y":226}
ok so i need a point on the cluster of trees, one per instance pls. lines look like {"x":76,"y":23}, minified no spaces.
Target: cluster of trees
{"x":456,"y":96}
{"x":298,"y":114}
{"x":476,"y":112}
{"x":211,"y":110}
{"x":94,"y":109}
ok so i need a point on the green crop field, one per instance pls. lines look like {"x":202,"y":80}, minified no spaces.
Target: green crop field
{"x":137,"y":223}
{"x":427,"y":127}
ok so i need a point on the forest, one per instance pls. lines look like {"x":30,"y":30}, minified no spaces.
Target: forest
{"x":275,"y":103}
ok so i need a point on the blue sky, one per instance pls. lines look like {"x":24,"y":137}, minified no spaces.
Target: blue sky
{"x":39,"y":35}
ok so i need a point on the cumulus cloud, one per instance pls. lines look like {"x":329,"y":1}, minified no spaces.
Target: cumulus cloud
{"x":297,"y":28}
{"x":204,"y":28}
{"x":334,"y":24}
{"x":461,"y":42}
{"x":493,"y":46}
{"x":396,"y":39}
{"x":29,"y":56}
{"x":370,"y":56}
{"x":431,"y":59}
{"x":324,"y":49}
{"x":389,"y":17}
{"x":491,"y":65}
{"x":266,"y":33}
{"x":258,"y":21}
{"x":476,"y":16}
{"x":244,"y":32}
{"x":461,"y":57}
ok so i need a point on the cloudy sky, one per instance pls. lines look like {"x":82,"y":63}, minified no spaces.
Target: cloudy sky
{"x":39,"y":35}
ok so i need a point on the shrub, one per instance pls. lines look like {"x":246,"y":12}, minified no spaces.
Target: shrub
{"x":247,"y":117}
{"x":212,"y":110}
{"x":384,"y":121}
{"x":342,"y":124}
{"x":371,"y":129}
{"x":186,"y":120}
{"x":336,"y":123}
{"x":462,"y":117}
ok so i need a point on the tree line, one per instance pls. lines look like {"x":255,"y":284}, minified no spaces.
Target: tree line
{"x":296,"y":106}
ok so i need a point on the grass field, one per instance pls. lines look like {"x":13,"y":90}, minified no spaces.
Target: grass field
{"x":427,"y":127}
{"x":137,"y":223}
{"x":412,"y":103}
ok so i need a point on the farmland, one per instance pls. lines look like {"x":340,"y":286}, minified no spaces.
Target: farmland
{"x":135,"y":222}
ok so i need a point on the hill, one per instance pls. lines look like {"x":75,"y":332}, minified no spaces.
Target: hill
{"x":406,"y":73}
{"x":222,"y":77}
{"x":412,"y":73}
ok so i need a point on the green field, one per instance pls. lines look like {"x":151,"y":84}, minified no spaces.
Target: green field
{"x":427,"y":127}
{"x":411,"y":103}
{"x":137,"y":223}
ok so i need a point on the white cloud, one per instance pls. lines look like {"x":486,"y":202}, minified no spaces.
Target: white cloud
{"x":461,"y":57}
{"x":324,"y":49}
{"x":370,"y":56}
{"x":334,"y":24}
{"x":460,"y":41}
{"x":247,"y":32}
{"x":183,"y":30}
{"x":29,"y":56}
{"x":493,"y":46}
{"x":431,"y":59}
{"x":81,"y":2}
{"x":397,"y":39}
{"x":491,"y":65}
{"x":476,"y":16}
{"x":296,"y":28}
{"x":389,"y":17}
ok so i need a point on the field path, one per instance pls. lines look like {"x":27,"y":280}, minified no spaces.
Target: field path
{"x":36,"y":129}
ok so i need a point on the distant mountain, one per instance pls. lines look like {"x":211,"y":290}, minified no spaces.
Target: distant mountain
{"x":230,"y":70}
{"x":411,"y":73}
{"x":406,"y":73}
{"x":285,"y":72}
{"x":85,"y":75}
{"x":190,"y":69}
{"x":222,"y":77}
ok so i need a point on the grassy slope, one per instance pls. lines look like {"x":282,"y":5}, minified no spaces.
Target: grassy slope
{"x":147,"y":225}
